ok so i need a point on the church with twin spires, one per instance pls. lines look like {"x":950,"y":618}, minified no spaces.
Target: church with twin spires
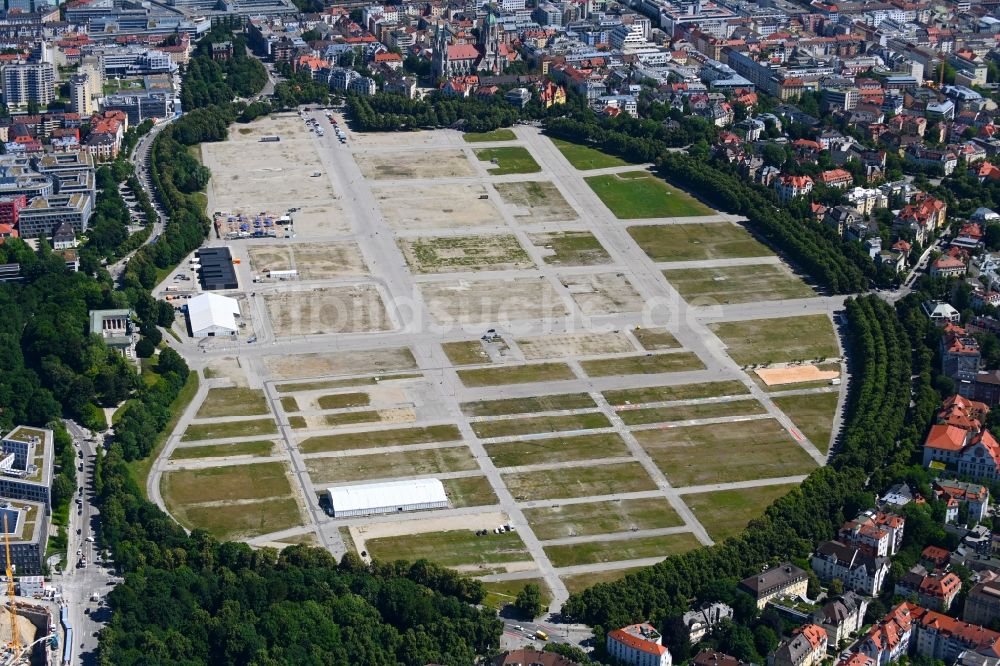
{"x":489,"y":55}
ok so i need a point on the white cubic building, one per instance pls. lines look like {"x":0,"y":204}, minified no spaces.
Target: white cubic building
{"x":211,"y":315}
{"x":388,"y":497}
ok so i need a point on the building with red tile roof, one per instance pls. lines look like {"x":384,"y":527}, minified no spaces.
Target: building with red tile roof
{"x":962,"y":413}
{"x":638,"y":644}
{"x":937,"y":591}
{"x":956,"y":493}
{"x":875,"y":533}
{"x":839,"y":178}
{"x":805,"y":648}
{"x":791,"y":187}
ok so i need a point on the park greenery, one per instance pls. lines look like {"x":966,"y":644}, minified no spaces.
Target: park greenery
{"x":208,"y":81}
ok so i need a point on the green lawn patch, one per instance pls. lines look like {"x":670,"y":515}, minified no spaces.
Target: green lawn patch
{"x":557,"y":449}
{"x":465,"y":352}
{"x":738,"y":284}
{"x":687,"y":412}
{"x":704,"y":454}
{"x":571,"y":248}
{"x":679,"y":392}
{"x":778,"y":340}
{"x":451,"y":549}
{"x":200,"y":431}
{"x":231,"y":482}
{"x":297,"y":422}
{"x":289,"y":404}
{"x":504,"y":592}
{"x":242,"y":521}
{"x":502,"y":134}
{"x":542,"y":403}
{"x":258,"y":449}
{"x":642,"y":365}
{"x":469,"y":491}
{"x":539,"y":200}
{"x":812,"y":414}
{"x":370,"y":440}
{"x":612,"y":479}
{"x":389,"y":465}
{"x":595,"y":552}
{"x":515,"y":374}
{"x":510,"y":159}
{"x":655,"y":339}
{"x":351,"y":418}
{"x":539,"y":424}
{"x":690,"y":242}
{"x":140,"y":469}
{"x":343,"y":400}
{"x":586,"y":158}
{"x":568,"y":520}
{"x":640,"y":195}
{"x":232,"y":402}
{"x":579,"y":582}
{"x":725,"y":513}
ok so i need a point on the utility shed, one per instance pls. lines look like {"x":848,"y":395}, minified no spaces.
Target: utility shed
{"x":211,"y":315}
{"x":388,"y":497}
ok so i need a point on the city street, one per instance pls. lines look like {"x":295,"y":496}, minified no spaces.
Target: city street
{"x":77,"y":583}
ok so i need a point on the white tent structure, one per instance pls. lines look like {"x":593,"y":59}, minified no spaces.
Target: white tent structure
{"x":212,"y":315}
{"x":387,"y":497}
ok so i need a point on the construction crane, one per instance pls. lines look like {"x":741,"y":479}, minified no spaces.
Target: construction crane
{"x":15,"y":640}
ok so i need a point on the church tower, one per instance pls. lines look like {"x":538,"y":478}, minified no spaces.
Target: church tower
{"x":489,"y":44}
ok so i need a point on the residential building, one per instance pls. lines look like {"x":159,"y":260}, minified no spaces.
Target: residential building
{"x":972,"y":454}
{"x":941,"y":313}
{"x":877,"y":533}
{"x":960,"y":358}
{"x":700,"y":621}
{"x":941,"y":637}
{"x":790,"y":187}
{"x":784,"y":580}
{"x":838,"y":178}
{"x":526,"y":656}
{"x":639,"y":645}
{"x":937,"y":591}
{"x":957,"y":493}
{"x":842,"y":617}
{"x":982,"y":604}
{"x":889,"y":639}
{"x":946,"y":266}
{"x":858,"y":571}
{"x":29,"y":82}
{"x":806,"y":648}
{"x":921,"y":217}
{"x":713,"y":658}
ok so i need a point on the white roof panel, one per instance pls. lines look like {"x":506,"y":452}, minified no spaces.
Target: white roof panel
{"x":212,"y":310}
{"x":389,"y":493}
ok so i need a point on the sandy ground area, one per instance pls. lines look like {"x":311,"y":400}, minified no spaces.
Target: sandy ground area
{"x":226,"y":368}
{"x":561,"y":345}
{"x":457,"y":254}
{"x":416,"y":164}
{"x":438,"y":207}
{"x":491,"y":301}
{"x":352,"y":309}
{"x":604,"y":293}
{"x":795,"y":374}
{"x":475,"y":521}
{"x":313,"y":261}
{"x":342,"y":363}
{"x":536,"y":201}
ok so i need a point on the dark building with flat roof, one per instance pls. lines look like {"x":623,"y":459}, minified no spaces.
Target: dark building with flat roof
{"x":216,"y":271}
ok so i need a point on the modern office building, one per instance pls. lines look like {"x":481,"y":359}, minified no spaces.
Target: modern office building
{"x":43,"y":215}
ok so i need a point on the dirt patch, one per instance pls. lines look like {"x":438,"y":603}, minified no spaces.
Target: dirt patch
{"x":795,"y":374}
{"x":277,"y":178}
{"x":447,"y":254}
{"x":540,"y":201}
{"x":313,"y":261}
{"x":438,"y":207}
{"x":226,"y":368}
{"x":417,"y":164}
{"x":491,"y":301}
{"x":342,"y":363}
{"x":328,"y":310}
{"x":604,"y":293}
{"x":560,"y":345}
